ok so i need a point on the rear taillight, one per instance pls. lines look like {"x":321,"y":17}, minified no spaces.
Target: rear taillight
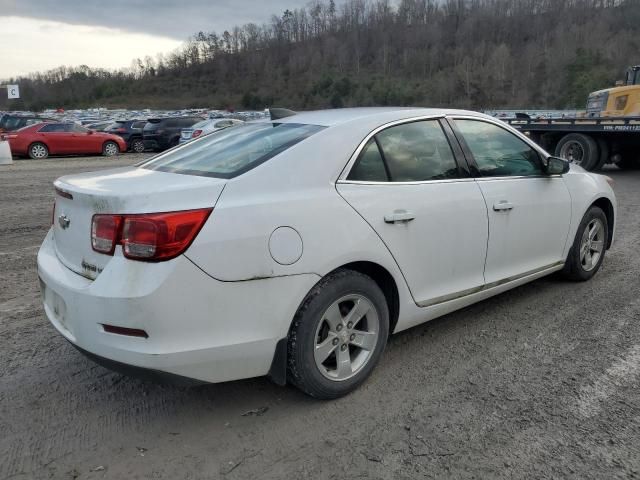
{"x":150,"y":237}
{"x":120,"y":130}
{"x":196,"y":133}
{"x":105,"y":233}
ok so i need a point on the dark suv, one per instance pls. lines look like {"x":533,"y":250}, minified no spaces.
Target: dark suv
{"x":9,"y":123}
{"x":130,"y":131}
{"x":162,"y":133}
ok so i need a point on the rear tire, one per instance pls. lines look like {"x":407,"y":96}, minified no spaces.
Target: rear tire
{"x":338,"y":335}
{"x":137,"y":145}
{"x":110,"y":149}
{"x":605,"y":154}
{"x":38,"y":151}
{"x":591,"y":239}
{"x":579,"y":149}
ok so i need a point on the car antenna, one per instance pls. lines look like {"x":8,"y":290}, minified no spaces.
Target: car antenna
{"x":278,"y":113}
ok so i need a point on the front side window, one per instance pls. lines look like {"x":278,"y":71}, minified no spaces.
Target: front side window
{"x":79,"y":129}
{"x":411,"y":152}
{"x":230,"y":152}
{"x":497,"y":152}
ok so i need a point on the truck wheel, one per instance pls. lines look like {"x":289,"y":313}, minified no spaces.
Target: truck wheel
{"x":579,"y":149}
{"x":605,"y":154}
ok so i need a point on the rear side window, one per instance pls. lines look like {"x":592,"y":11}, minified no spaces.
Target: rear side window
{"x":411,"y":152}
{"x":231,"y":152}
{"x":56,"y":127}
{"x":153,"y":124}
{"x":138,"y":124}
{"x":370,"y":165}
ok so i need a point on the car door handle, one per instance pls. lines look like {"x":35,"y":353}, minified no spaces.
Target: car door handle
{"x":502,"y":206}
{"x":399,"y":216}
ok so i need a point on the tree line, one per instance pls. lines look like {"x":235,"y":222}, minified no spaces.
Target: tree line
{"x":450,"y":53}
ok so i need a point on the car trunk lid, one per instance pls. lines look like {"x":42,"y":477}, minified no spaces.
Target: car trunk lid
{"x":126,"y":190}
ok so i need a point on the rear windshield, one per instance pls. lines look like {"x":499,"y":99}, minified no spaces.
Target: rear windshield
{"x":233,"y":151}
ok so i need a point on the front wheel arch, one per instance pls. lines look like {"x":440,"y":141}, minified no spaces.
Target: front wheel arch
{"x":607,"y":207}
{"x":107,"y":142}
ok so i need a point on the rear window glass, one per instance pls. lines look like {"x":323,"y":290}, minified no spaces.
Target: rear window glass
{"x":231,"y":152}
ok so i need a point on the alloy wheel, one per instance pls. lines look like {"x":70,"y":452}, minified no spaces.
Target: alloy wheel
{"x":39,"y":151}
{"x":111,"y":149}
{"x":346,"y":337}
{"x":592,"y":244}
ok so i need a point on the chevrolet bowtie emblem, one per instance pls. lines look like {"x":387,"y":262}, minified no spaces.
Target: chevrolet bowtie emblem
{"x":64,"y":221}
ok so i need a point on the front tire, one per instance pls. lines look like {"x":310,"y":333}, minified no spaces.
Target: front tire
{"x":338,"y":335}
{"x":110,"y":149}
{"x":38,"y":151}
{"x":589,"y":246}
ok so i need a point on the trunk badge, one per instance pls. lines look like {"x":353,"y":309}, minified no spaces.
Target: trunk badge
{"x":64,"y":221}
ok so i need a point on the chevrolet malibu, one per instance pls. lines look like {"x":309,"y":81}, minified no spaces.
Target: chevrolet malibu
{"x":294,"y":247}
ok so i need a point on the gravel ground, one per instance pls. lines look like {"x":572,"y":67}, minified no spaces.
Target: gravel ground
{"x":540,"y":382}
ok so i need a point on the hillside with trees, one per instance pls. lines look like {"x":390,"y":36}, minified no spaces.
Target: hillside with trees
{"x":453,"y":53}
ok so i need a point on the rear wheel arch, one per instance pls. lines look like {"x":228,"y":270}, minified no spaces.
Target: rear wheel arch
{"x":385,"y":281}
{"x":38,"y":142}
{"x":379,"y":274}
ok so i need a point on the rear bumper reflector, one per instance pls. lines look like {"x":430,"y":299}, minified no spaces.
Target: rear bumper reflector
{"x":129,"y":332}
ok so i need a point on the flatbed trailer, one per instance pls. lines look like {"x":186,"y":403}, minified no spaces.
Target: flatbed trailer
{"x":590,"y":142}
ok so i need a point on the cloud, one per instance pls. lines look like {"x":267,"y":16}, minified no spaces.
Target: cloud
{"x":166,"y":18}
{"x":51,"y":44}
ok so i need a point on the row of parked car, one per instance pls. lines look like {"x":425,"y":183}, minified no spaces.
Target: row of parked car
{"x":39,"y":137}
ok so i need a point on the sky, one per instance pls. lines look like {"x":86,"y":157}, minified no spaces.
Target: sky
{"x":40,"y":35}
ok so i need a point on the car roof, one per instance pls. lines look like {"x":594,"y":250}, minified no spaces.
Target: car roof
{"x":344,"y":115}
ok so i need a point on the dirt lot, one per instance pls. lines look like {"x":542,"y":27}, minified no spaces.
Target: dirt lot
{"x":541,"y":382}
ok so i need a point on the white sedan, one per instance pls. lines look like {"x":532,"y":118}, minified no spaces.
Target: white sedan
{"x":206,"y":127}
{"x":294,"y":247}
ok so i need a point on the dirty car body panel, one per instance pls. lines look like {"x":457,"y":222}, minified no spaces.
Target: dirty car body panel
{"x":220,"y":309}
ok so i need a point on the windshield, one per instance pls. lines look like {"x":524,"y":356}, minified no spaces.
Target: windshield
{"x":231,"y":152}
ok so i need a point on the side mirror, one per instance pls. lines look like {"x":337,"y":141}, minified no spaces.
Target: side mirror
{"x":91,"y":132}
{"x":556,"y":166}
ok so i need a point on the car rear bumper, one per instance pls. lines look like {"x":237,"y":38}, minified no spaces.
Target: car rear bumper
{"x":198,"y":327}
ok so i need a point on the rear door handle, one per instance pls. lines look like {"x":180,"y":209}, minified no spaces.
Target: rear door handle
{"x":399,"y":216}
{"x":502,"y":206}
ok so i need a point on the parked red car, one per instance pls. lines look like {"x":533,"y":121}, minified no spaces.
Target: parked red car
{"x":44,"y":139}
